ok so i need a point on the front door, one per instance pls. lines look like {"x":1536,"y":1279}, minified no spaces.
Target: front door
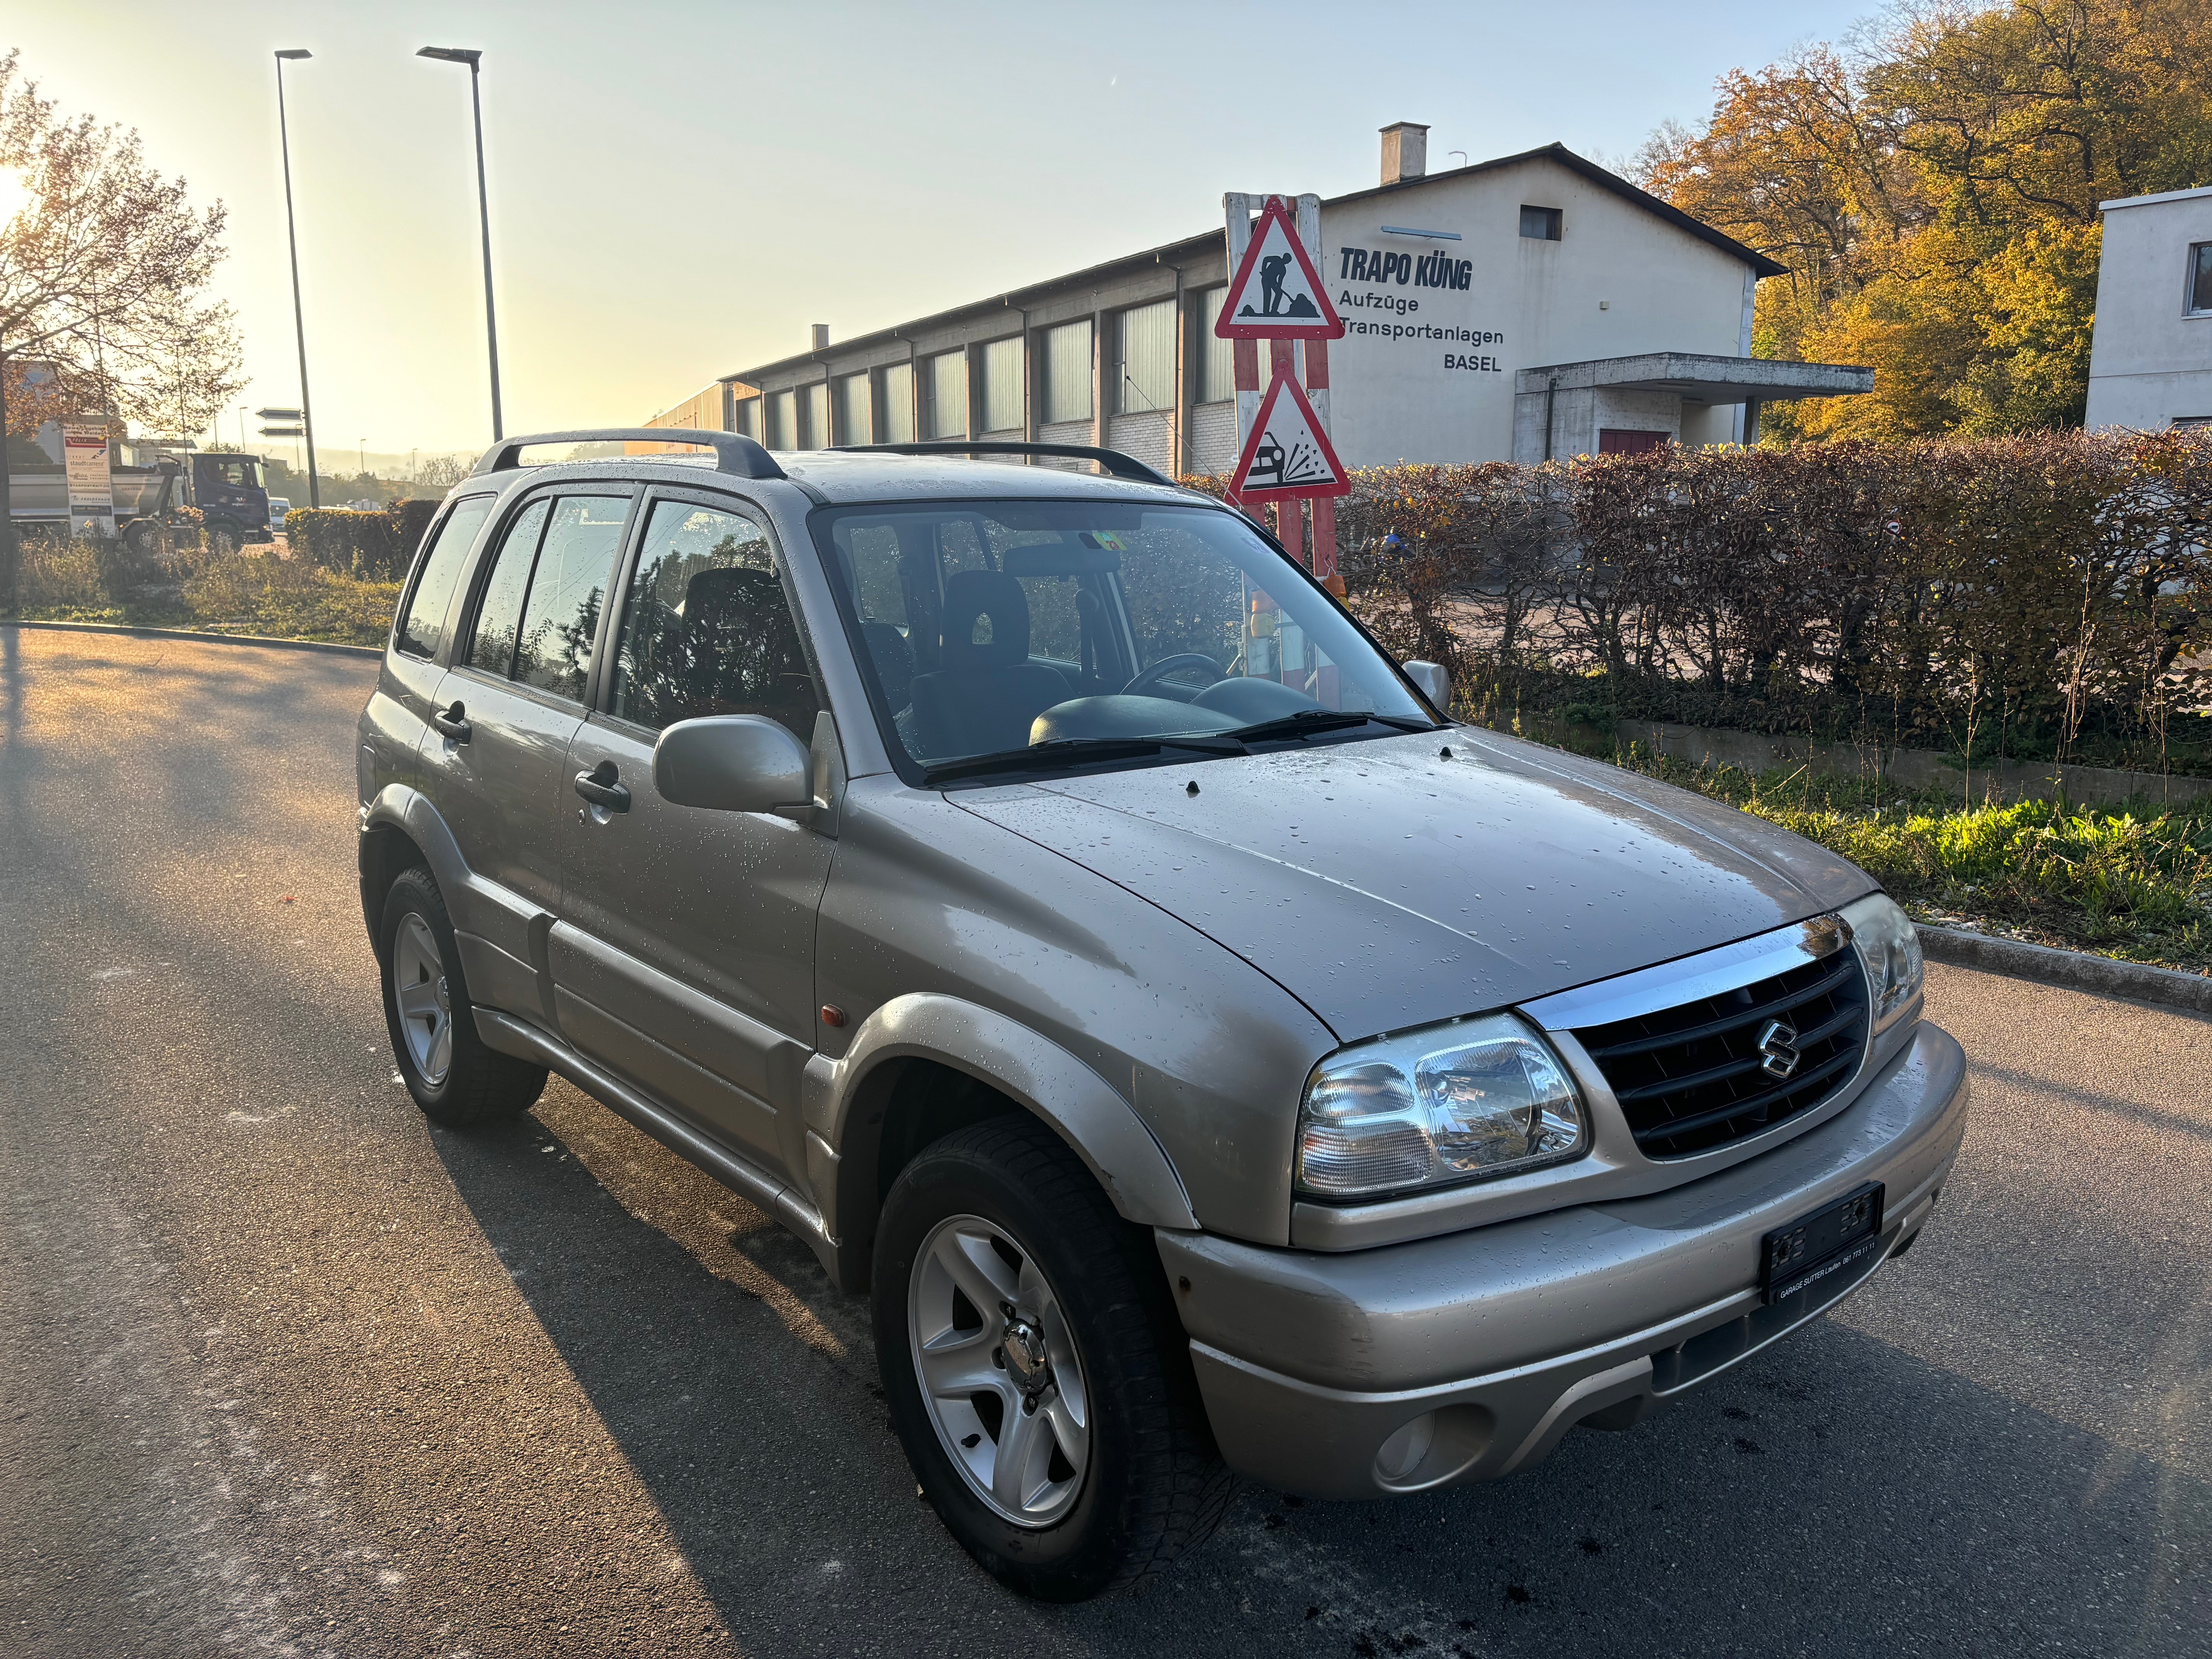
{"x":686,"y":959}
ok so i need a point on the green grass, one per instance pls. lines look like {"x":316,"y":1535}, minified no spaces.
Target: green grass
{"x":2134,"y":883}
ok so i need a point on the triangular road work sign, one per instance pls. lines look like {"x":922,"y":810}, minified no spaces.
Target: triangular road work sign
{"x":1288,"y":456}
{"x":1277,"y":294}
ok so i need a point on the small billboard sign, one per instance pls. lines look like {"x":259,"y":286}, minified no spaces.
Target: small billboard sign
{"x":91,"y":485}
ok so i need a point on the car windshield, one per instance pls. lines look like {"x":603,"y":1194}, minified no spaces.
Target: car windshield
{"x":1050,"y":632}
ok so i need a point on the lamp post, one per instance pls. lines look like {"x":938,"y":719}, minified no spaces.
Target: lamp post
{"x":470,"y":57}
{"x":299,"y":317}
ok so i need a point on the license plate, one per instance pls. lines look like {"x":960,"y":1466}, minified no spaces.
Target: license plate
{"x":1815,"y":1248}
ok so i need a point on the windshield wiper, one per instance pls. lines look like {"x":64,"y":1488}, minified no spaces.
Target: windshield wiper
{"x":1058,"y":749}
{"x":1307,"y":721}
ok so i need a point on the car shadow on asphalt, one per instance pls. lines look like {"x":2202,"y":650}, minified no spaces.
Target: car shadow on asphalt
{"x":1833,"y":1493}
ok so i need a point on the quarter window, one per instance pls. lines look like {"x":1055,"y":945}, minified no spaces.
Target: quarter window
{"x":568,"y":594}
{"x":707,"y":629}
{"x":422,"y":630}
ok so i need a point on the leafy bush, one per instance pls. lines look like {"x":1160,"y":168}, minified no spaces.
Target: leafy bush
{"x":2038,"y":597}
{"x":374,"y":546}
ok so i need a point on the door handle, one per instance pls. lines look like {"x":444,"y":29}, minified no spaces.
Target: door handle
{"x":454,"y":722}
{"x":599,"y":786}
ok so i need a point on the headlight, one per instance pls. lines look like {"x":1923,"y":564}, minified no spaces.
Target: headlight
{"x":1467,"y":1101}
{"x":1891,"y":950}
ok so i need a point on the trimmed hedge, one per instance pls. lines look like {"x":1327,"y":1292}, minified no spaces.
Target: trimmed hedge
{"x":374,"y":546}
{"x":2047,"y":595}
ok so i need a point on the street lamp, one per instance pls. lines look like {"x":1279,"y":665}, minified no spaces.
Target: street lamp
{"x":470,"y":56}
{"x":299,"y":317}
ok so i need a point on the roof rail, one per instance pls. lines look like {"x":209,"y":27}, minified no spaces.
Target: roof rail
{"x":734,"y":453}
{"x":1121,"y":465}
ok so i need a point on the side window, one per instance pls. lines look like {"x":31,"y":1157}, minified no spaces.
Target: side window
{"x":568,"y":592}
{"x":499,"y":617}
{"x":422,"y":630}
{"x":707,"y":629}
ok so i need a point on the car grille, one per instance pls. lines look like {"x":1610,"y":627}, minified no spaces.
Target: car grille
{"x":1694,"y":1077}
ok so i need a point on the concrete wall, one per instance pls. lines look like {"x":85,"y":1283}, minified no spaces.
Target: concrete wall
{"x":1530,"y":302}
{"x":2150,"y":362}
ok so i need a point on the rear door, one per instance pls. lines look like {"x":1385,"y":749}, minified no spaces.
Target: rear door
{"x":407,"y":689}
{"x":515,"y":693}
{"x":685,"y":959}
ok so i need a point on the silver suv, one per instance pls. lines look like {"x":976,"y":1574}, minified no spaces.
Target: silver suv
{"x":1043,"y":897}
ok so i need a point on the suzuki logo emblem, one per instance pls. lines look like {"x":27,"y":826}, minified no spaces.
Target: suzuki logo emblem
{"x":1777,"y":1049}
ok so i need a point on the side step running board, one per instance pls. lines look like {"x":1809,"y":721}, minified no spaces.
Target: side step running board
{"x":740,"y":1175}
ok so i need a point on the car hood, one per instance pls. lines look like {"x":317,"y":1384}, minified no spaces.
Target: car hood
{"x":1386,"y":886}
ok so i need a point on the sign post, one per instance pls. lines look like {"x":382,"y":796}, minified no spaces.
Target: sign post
{"x":1278,"y":294}
{"x":91,"y":484}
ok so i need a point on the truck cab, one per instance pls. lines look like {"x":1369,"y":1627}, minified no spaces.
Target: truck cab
{"x":231,"y":495}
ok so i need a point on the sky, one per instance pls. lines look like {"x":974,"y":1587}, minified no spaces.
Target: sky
{"x":679,"y":190}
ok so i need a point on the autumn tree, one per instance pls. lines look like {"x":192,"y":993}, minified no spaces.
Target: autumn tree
{"x":1934,"y":189}
{"x":104,"y":270}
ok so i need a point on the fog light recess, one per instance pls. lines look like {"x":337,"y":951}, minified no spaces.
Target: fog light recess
{"x":1433,"y":1448}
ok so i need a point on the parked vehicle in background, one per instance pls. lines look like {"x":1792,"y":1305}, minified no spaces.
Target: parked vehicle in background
{"x":227,"y":488}
{"x":1048,"y":901}
{"x":278,"y":507}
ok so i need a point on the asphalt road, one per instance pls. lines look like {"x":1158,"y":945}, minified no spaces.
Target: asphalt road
{"x":282,"y":1370}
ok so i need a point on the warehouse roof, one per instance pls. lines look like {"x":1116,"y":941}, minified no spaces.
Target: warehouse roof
{"x":1190,"y":248}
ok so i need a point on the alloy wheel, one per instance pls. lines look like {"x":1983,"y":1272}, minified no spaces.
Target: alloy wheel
{"x":418,"y":987}
{"x":999,"y":1370}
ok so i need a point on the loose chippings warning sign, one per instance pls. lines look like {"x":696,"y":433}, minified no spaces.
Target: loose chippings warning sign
{"x":1288,"y":456}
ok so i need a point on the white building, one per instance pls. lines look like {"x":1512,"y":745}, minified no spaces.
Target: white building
{"x":1527,"y":308}
{"x":2150,"y":358}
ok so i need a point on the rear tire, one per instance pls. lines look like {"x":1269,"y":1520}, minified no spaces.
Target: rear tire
{"x":1085,"y":1389}
{"x":454,"y":1077}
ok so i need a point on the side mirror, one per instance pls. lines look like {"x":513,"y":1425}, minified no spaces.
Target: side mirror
{"x":733,"y":763}
{"x":1434,"y":683}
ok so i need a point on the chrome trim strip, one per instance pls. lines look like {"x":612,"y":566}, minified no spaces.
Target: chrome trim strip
{"x":1687,"y":979}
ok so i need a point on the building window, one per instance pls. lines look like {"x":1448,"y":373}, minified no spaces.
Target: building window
{"x":1217,"y":357}
{"x":1002,"y":386}
{"x":818,"y":416}
{"x":783,"y":421}
{"x":2200,"y":279}
{"x":1622,"y":440}
{"x":1067,"y":373}
{"x":944,"y":387}
{"x":1144,"y":359}
{"x":748,"y":417}
{"x":851,"y":400}
{"x":1541,"y":224}
{"x":2192,"y":420}
{"x":898,"y":403}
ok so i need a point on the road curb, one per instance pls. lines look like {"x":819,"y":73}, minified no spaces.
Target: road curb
{"x":330,"y":646}
{"x":2077,"y":971}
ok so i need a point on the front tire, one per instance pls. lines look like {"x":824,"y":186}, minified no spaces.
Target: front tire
{"x":454,"y":1077}
{"x":1037,"y":1375}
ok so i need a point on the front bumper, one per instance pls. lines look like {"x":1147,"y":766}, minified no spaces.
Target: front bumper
{"x":1468,"y":1356}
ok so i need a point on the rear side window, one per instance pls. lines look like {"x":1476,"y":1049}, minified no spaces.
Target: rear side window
{"x":499,"y":618}
{"x":568,"y":593}
{"x":421,"y":630}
